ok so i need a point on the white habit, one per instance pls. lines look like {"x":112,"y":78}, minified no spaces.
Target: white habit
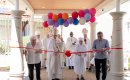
{"x":71,"y":47}
{"x":53,"y":60}
{"x":41,"y":55}
{"x":44,"y":56}
{"x":79,"y":61}
{"x":88,"y":57}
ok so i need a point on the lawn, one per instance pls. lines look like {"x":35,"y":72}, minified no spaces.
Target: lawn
{"x":25,"y":40}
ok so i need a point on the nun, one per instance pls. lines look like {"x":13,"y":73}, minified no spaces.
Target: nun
{"x":79,"y":61}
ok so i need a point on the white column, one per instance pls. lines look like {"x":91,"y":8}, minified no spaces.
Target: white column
{"x":117,"y":70}
{"x":16,"y":4}
{"x":31,"y":24}
{"x":92,"y":32}
{"x":16,"y":59}
{"x":117,"y":5}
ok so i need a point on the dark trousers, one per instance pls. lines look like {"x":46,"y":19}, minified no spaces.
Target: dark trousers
{"x":31,"y":70}
{"x":101,"y":64}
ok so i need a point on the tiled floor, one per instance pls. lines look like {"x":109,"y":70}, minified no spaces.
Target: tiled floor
{"x":67,"y":75}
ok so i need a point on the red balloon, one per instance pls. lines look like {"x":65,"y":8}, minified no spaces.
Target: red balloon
{"x":60,"y":15}
{"x":93,"y":19}
{"x":81,"y":13}
{"x":92,"y":11}
{"x":68,"y":53}
{"x":45,"y":24}
{"x":50,"y":15}
{"x":75,"y":15}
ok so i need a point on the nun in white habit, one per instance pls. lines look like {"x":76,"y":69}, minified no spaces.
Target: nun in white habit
{"x":79,"y":61}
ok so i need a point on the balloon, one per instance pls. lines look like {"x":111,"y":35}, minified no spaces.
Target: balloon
{"x":68,"y":53}
{"x":70,"y":20}
{"x":45,"y":24}
{"x":55,"y":17}
{"x":50,"y":22}
{"x":50,"y":15}
{"x":75,"y":15}
{"x":66,"y":24}
{"x":87,"y":16}
{"x":75,"y":22}
{"x":65,"y":16}
{"x":92,"y":19}
{"x":60,"y":21}
{"x":56,"y":24}
{"x":82,"y":21}
{"x":92,"y":11}
{"x":60,"y":15}
{"x":87,"y":20}
{"x":86,"y":11}
{"x":81,"y":13}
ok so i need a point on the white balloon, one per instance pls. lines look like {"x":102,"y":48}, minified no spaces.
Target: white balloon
{"x":82,"y":21}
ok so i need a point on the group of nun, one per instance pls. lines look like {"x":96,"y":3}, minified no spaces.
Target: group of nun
{"x":51,"y":52}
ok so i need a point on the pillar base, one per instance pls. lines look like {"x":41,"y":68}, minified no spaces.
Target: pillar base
{"x":117,"y":75}
{"x":19,"y":76}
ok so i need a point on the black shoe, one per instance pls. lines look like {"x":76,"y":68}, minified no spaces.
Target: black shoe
{"x":82,"y":78}
{"x":69,"y":67}
{"x":90,"y":69}
{"x":77,"y":78}
{"x":53,"y":79}
{"x":57,"y":79}
{"x":44,"y":67}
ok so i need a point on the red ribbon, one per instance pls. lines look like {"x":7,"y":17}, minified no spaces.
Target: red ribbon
{"x":68,"y":52}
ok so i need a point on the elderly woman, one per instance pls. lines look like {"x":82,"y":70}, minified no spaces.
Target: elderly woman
{"x":33,"y":50}
{"x":79,"y":61}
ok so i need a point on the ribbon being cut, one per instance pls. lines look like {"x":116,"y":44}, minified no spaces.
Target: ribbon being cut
{"x":68,"y":52}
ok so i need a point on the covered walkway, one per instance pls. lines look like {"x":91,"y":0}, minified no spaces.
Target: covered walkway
{"x":32,"y":8}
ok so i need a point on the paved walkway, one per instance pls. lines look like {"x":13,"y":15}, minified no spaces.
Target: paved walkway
{"x":67,"y":75}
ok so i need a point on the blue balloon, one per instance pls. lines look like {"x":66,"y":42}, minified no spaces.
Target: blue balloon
{"x":87,"y":16}
{"x":75,"y":22}
{"x":60,"y":21}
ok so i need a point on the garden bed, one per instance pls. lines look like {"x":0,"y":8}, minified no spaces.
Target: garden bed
{"x":5,"y":68}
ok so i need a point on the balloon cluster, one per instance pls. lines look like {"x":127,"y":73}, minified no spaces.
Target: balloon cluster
{"x":83,"y":16}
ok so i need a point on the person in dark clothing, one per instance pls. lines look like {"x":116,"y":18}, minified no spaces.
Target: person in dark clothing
{"x":101,"y":46}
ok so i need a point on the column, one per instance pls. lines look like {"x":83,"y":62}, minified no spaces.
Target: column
{"x":31,"y":25}
{"x":92,"y":32}
{"x":117,"y":70}
{"x":16,"y":58}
